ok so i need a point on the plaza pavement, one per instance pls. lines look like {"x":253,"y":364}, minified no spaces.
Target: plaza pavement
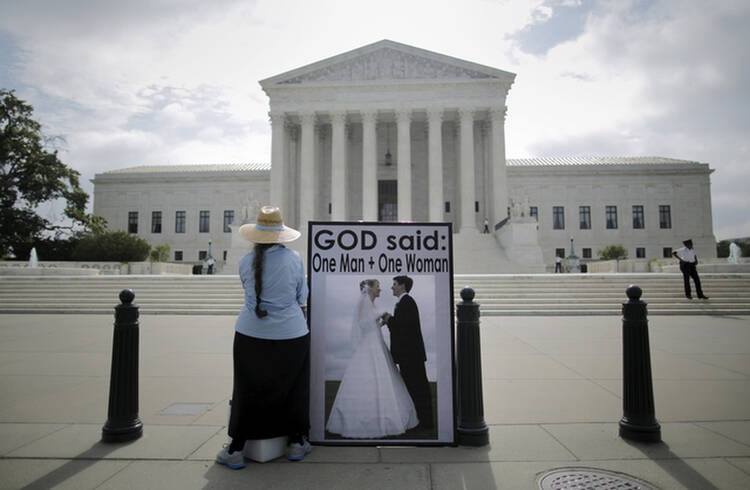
{"x":552,"y":398}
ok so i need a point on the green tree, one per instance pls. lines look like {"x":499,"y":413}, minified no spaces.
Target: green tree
{"x":111,"y":246}
{"x":159,"y":253}
{"x":613,"y":252}
{"x":31,"y":174}
{"x":49,"y":248}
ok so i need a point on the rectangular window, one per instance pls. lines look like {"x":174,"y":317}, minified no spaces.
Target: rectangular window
{"x":559,"y":252}
{"x":132,"y":221}
{"x":666,"y":252}
{"x":155,"y":221}
{"x":611,"y":217}
{"x":203,"y":220}
{"x":202,"y":254}
{"x":665,"y":217}
{"x":476,"y":206}
{"x":584,"y":214}
{"x":447,"y":206}
{"x":177,"y":255}
{"x":179,"y":222}
{"x":228,"y":220}
{"x":558,"y":218}
{"x":586,"y":253}
{"x":638,"y":222}
{"x":225,"y":256}
{"x":533,"y":212}
{"x":640,"y":253}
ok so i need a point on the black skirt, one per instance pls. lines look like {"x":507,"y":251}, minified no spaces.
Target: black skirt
{"x":271,"y":394}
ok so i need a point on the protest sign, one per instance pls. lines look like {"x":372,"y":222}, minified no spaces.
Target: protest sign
{"x":381,"y":348}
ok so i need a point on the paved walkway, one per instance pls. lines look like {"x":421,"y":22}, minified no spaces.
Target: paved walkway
{"x":552,"y":393}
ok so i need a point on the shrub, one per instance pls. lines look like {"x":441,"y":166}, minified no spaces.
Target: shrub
{"x":612,"y":252}
{"x":159,"y":253}
{"x":111,"y":246}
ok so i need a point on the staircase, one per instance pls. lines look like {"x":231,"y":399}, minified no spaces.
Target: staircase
{"x":603,"y":294}
{"x":498,"y":294}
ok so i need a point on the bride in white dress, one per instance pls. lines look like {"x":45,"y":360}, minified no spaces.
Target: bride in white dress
{"x":372,"y":400}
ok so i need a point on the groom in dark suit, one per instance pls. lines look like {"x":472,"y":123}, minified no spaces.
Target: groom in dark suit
{"x":407,"y":349}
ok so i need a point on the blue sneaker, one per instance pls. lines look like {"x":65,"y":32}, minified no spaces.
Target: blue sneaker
{"x":297,"y":452}
{"x":234,"y":460}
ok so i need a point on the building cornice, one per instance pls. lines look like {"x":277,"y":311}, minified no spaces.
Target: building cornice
{"x":386,"y":62}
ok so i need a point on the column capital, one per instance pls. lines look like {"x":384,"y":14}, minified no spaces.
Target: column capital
{"x":435,"y":114}
{"x":307,"y":118}
{"x":403,"y":115}
{"x":369,"y":116}
{"x":338,"y":117}
{"x":498,"y":113}
{"x":277,"y":118}
{"x":466,"y":112}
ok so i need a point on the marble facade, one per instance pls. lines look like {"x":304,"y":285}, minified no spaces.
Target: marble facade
{"x":392,"y":132}
{"x":596,"y":183}
{"x":441,"y":120}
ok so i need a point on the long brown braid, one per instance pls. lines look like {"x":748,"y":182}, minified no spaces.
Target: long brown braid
{"x":260,"y":251}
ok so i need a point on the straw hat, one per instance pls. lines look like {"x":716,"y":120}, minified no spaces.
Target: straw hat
{"x":269,"y":228}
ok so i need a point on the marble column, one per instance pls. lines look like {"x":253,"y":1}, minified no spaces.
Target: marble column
{"x":435,"y":164}
{"x":307,"y":187}
{"x":369,"y":167}
{"x":338,"y":166}
{"x":403,"y":163}
{"x":278,"y":163}
{"x":498,"y":174}
{"x":466,"y":166}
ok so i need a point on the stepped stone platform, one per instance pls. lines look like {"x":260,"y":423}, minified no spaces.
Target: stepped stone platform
{"x":498,"y":294}
{"x":552,"y":400}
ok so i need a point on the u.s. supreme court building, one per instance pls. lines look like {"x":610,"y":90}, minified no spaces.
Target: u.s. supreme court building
{"x":391,"y":132}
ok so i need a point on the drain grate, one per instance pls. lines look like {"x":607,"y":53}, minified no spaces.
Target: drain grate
{"x":589,"y":478}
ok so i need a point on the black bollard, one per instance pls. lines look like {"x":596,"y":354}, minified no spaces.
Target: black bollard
{"x":123,"y":423}
{"x":472,"y":431}
{"x":638,"y":422}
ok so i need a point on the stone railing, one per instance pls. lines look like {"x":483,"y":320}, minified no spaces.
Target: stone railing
{"x":65,"y":266}
{"x":157,"y":268}
{"x":666,"y":265}
{"x":10,"y":267}
{"x":625,"y":265}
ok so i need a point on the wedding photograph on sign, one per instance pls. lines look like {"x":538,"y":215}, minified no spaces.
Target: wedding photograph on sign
{"x":381,"y":324}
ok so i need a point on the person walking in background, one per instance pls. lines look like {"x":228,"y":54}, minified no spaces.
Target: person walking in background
{"x":688,"y":262}
{"x":271,"y":354}
{"x":558,"y":263}
{"x":486,"y":226}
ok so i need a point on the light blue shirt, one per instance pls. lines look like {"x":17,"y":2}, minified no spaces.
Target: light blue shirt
{"x":284,"y":290}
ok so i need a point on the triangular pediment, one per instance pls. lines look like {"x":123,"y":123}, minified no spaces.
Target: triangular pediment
{"x":387,"y":60}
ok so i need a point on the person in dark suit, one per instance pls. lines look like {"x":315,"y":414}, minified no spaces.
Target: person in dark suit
{"x":407,"y":349}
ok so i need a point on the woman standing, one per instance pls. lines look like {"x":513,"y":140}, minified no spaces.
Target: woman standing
{"x":271,"y":350}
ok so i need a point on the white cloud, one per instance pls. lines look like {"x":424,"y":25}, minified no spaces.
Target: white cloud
{"x":664,"y":78}
{"x":158,"y":82}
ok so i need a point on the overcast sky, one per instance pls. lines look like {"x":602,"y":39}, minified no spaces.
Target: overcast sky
{"x":176,"y":81}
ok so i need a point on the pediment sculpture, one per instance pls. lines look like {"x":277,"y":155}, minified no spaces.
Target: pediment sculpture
{"x":388,"y":64}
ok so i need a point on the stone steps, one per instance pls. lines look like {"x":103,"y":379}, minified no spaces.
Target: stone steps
{"x":503,"y":294}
